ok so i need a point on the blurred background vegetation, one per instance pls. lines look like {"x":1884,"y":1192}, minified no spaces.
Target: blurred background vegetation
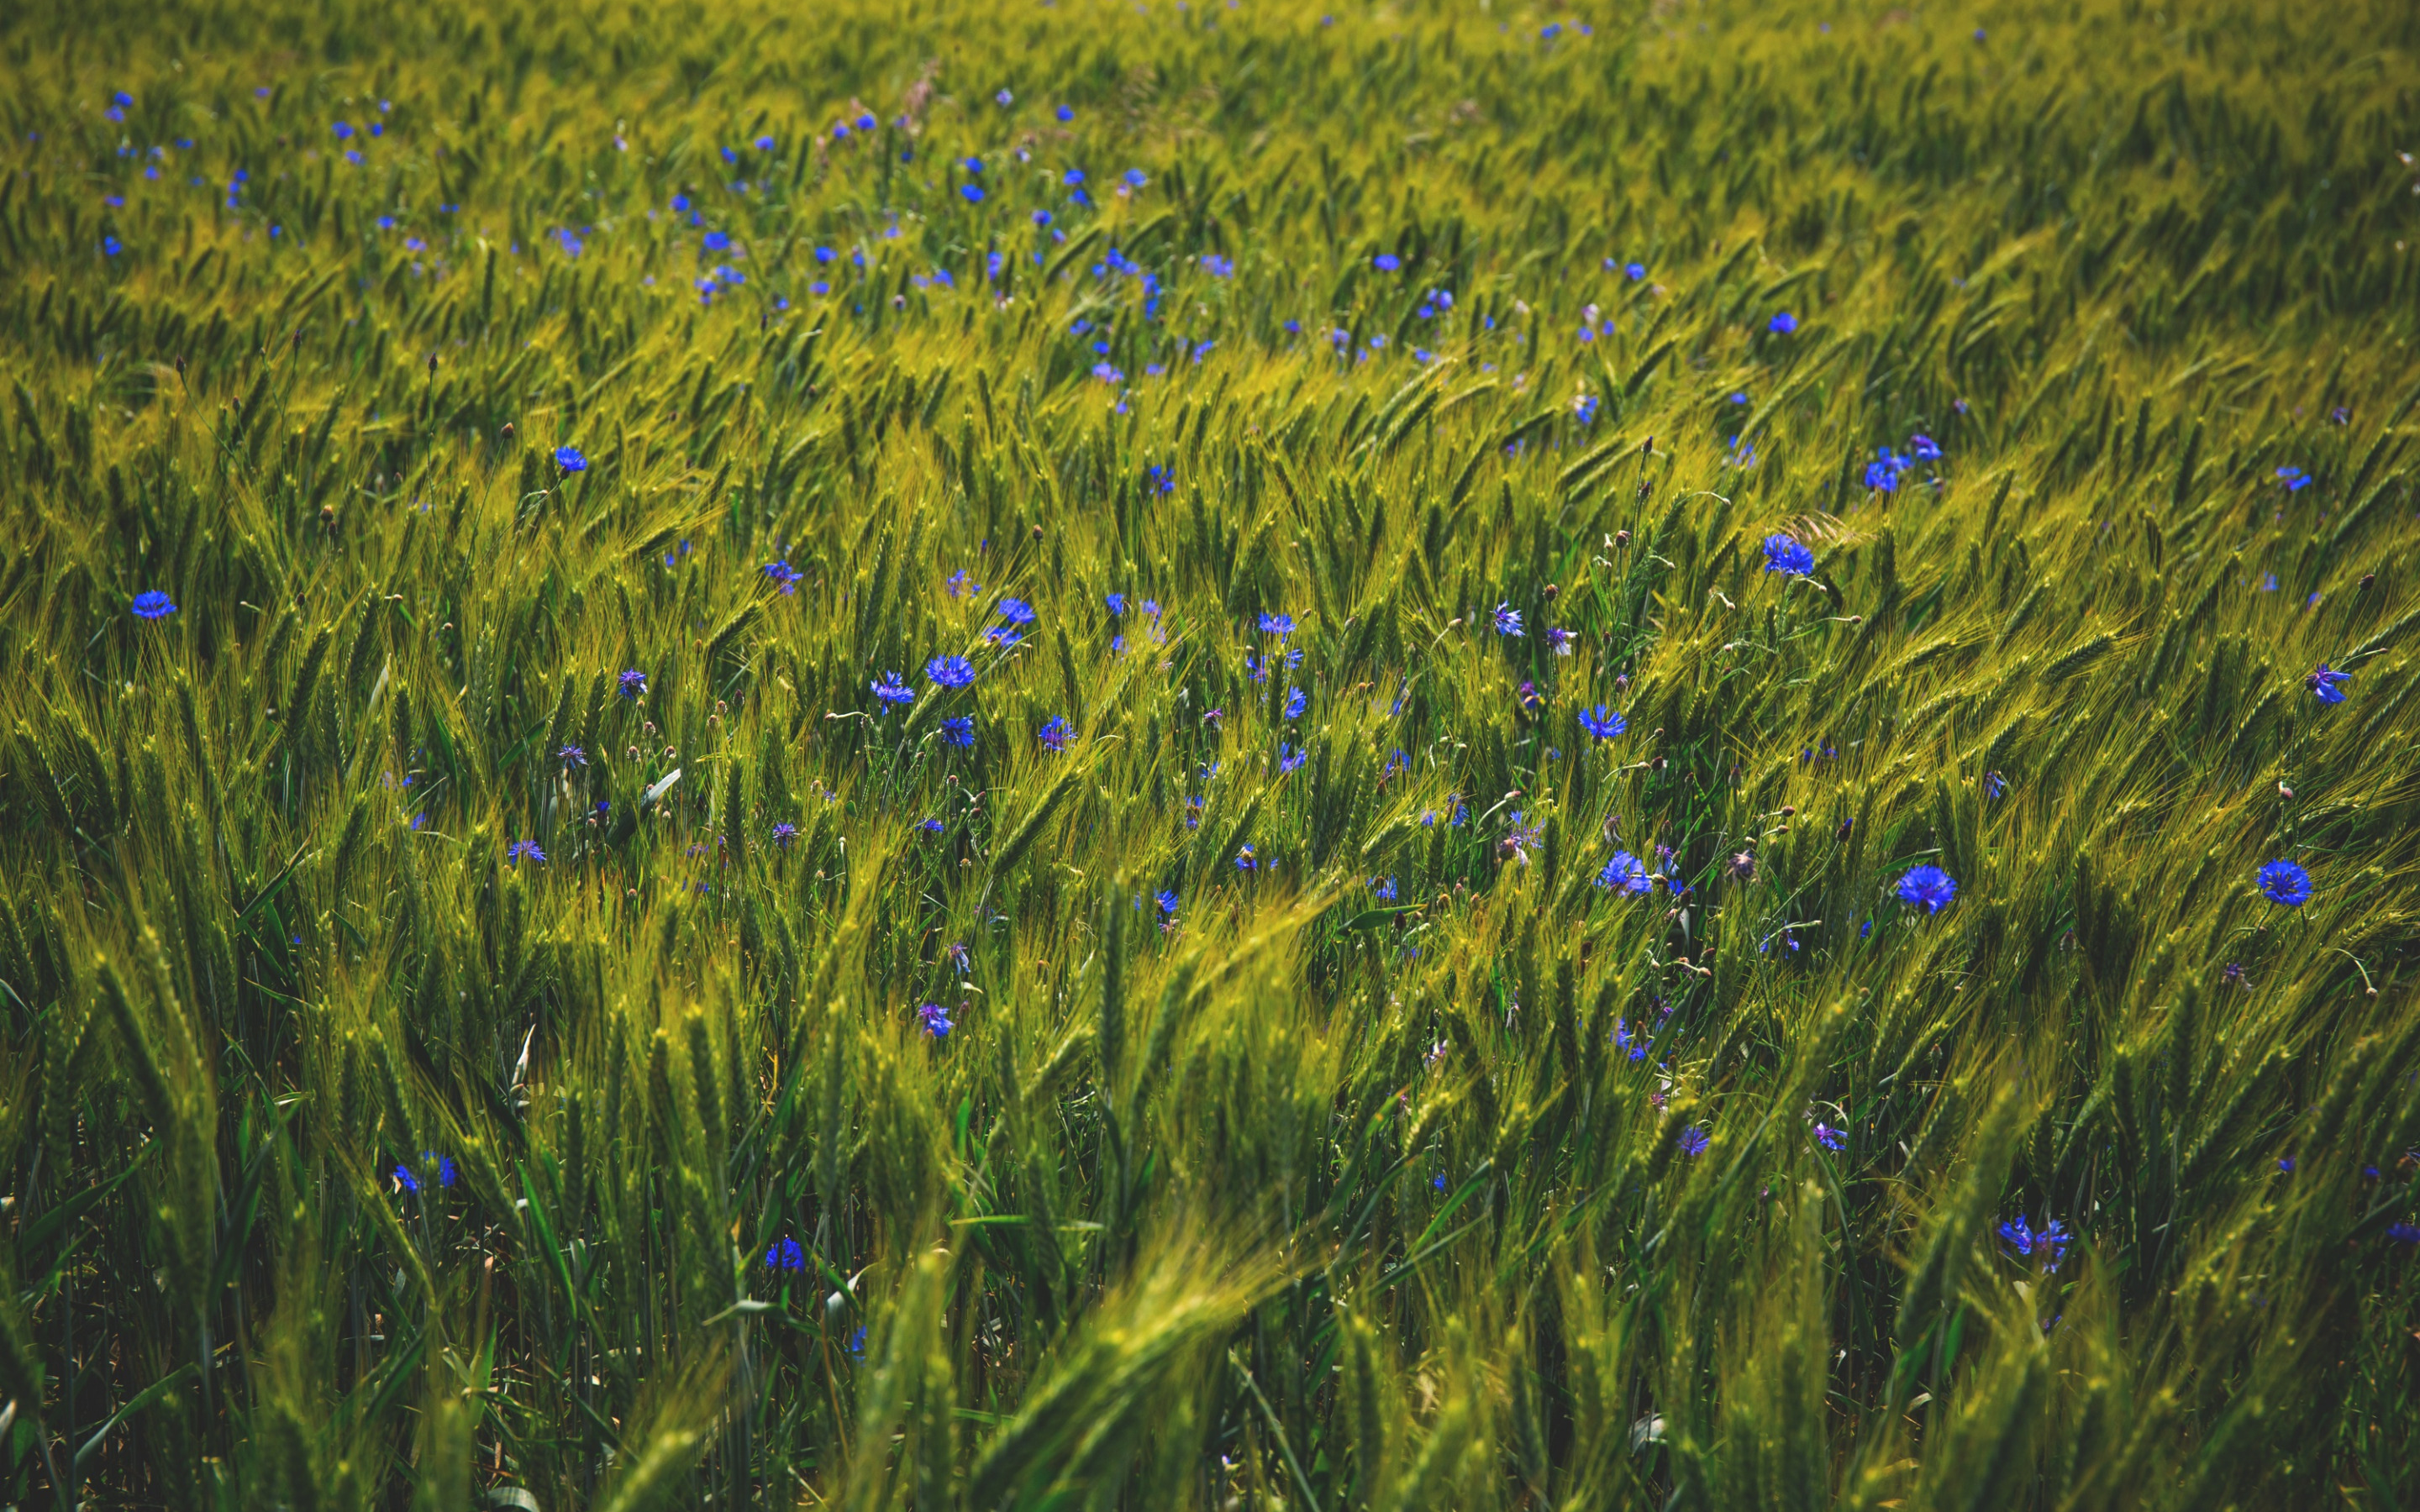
{"x":502,"y":1010}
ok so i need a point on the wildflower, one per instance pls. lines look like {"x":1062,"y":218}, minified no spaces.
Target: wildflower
{"x":2233,"y":974}
{"x":1602,"y":722}
{"x":1530,"y":698}
{"x":2286,"y":883}
{"x":1787,"y":557}
{"x":406,"y":1179}
{"x":1001,"y":635}
{"x":1064,"y":114}
{"x":1995,"y":784}
{"x":1625,"y":1040}
{"x":151,"y":604}
{"x":935,"y":1019}
{"x":890,"y":690}
{"x":1057,"y":734}
{"x":2295,"y":479}
{"x":1928,"y":885}
{"x":2323,"y":682}
{"x":1016,"y":612}
{"x":784,"y":836}
{"x":1560,"y":641}
{"x":634,"y":683}
{"x":959,"y":730}
{"x":1693,"y":1141}
{"x":1134,"y":177}
{"x":1158,"y":479}
{"x":971,"y":193}
{"x":786,"y":1254}
{"x":950,"y":671}
{"x":1294,"y":703}
{"x":1625,"y":874}
{"x":1633,"y":271}
{"x":2047,"y":1243}
{"x":1386,"y":262}
{"x":1508,"y":620}
{"x":1117,"y":603}
{"x":1383,"y":888}
{"x":1782,"y":324}
{"x":1277,"y":625}
{"x":521,"y":850}
{"x":1829,"y":1138}
{"x":1166,"y":898}
{"x":571,"y":756}
{"x":1289,"y":759}
{"x":1924,"y":448}
{"x":1245,"y":861}
{"x":570,"y":459}
{"x":2403,"y":1233}
{"x":2286,"y":1164}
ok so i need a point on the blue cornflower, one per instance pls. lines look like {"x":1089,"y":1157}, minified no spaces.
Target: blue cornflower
{"x":2323,"y":682}
{"x":2403,"y":1233}
{"x":411,"y":1183}
{"x":524,"y":850}
{"x":1782,"y":324}
{"x":763,"y":144}
{"x":570,"y":459}
{"x":959,"y":729}
{"x":1001,"y":635}
{"x":1016,"y":612}
{"x":1057,"y":734}
{"x":950,"y":671}
{"x":1159,"y":479}
{"x":935,"y":1019}
{"x":2295,"y":479}
{"x":1694,"y":1140}
{"x":1829,"y":1138}
{"x":717,"y":240}
{"x":1383,"y":888}
{"x":2047,"y":1243}
{"x":1633,"y":271}
{"x":1882,"y":477}
{"x":1625,"y":874}
{"x":1295,"y":703}
{"x":2286,"y":883}
{"x":971,"y":193}
{"x":1508,"y":620}
{"x":1278,"y":624}
{"x":890,"y":690}
{"x":1924,"y":448}
{"x":344,"y":131}
{"x":151,"y":604}
{"x":784,"y":576}
{"x":571,"y":756}
{"x":1602,"y":722}
{"x":2284,"y":1164}
{"x":1784,"y":555}
{"x":1134,"y":177}
{"x":1065,"y":114}
{"x":1386,"y":262}
{"x":1995,"y":784}
{"x":1117,"y":603}
{"x":1166,"y":898}
{"x":634,"y":683}
{"x":784,"y":836}
{"x":786,"y":1254}
{"x":1928,"y":885}
{"x":1628,"y":1041}
{"x":1289,"y":758}
{"x":1246,"y":860}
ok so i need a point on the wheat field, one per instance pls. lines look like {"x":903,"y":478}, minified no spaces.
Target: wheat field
{"x":1082,"y":755}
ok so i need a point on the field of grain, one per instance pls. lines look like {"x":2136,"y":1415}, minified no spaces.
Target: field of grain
{"x":1099,"y":755}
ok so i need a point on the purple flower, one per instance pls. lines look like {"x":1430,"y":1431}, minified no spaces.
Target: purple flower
{"x":1927,"y":886}
{"x":570,"y":459}
{"x":1829,"y":1138}
{"x":784,"y":836}
{"x":524,"y":850}
{"x":1289,"y":759}
{"x":2403,"y":1233}
{"x":1294,"y":703}
{"x":1508,"y":620}
{"x":634,"y":683}
{"x":890,"y":690}
{"x":935,"y":1019}
{"x":571,"y":756}
{"x":1016,"y":612}
{"x":2323,"y":682}
{"x":1694,"y":1140}
{"x":1625,"y":874}
{"x":1277,"y":625}
{"x":154,"y":605}
{"x":959,"y":730}
{"x":1057,"y":734}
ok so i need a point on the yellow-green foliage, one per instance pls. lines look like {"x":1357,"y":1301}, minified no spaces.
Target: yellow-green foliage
{"x":470,"y":968}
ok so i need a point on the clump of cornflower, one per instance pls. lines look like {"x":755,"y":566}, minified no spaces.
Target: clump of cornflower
{"x":2286,"y":883}
{"x":151,"y":604}
{"x":935,"y":1019}
{"x":410,"y":1181}
{"x":1694,"y":1140}
{"x":571,"y":756}
{"x":1602,"y":722}
{"x":570,"y":459}
{"x":1016,"y":612}
{"x":1995,"y":784}
{"x":1289,"y":758}
{"x":960,"y":583}
{"x":1281,"y":625}
{"x":1166,"y":898}
{"x":1057,"y":734}
{"x":1247,"y":859}
{"x":1508,"y":620}
{"x":634,"y":683}
{"x":2323,"y":682}
{"x":1829,"y":1138}
{"x":2403,"y":1233}
{"x":1625,"y":874}
{"x":2047,"y":1243}
{"x":783,"y":576}
{"x":1631,"y":1044}
{"x":1158,"y":479}
{"x":524,"y":850}
{"x":784,"y":836}
{"x":959,"y":729}
{"x":1787,"y":556}
{"x":890,"y":690}
{"x":1295,"y":703}
{"x":2295,"y":479}
{"x":950,"y":671}
{"x":1383,"y":888}
{"x":1116,"y":602}
{"x":786,"y":1254}
{"x":1782,"y":324}
{"x":1927,"y":887}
